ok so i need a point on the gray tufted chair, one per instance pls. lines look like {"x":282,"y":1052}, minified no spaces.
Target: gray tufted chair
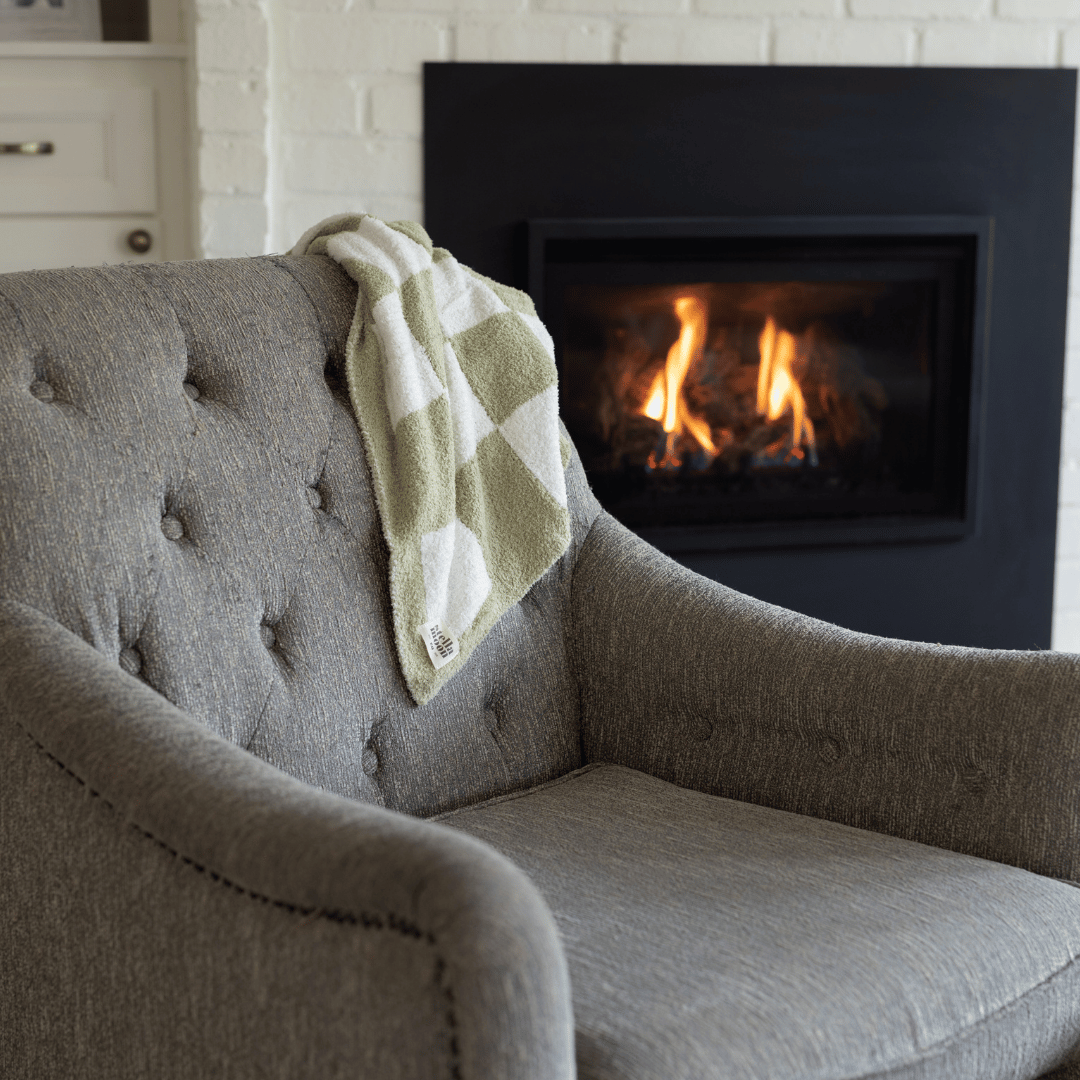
{"x":654,"y":830}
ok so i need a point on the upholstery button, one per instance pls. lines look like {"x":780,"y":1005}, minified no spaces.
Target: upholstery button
{"x":171,"y":527}
{"x":42,"y":390}
{"x":267,"y":635}
{"x":131,"y":661}
{"x":369,"y":761}
{"x":828,"y":748}
{"x":191,"y":390}
{"x":314,"y":498}
{"x":975,"y":780}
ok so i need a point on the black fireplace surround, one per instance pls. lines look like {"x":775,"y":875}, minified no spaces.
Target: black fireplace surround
{"x":907,"y":230}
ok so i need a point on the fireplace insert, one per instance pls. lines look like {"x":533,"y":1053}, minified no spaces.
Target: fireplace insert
{"x":735,"y":383}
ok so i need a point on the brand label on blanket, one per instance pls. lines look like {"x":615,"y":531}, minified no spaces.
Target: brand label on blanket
{"x":441,"y":646}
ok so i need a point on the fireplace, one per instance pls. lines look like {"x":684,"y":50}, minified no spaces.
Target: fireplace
{"x":892,"y":242}
{"x":743,"y":383}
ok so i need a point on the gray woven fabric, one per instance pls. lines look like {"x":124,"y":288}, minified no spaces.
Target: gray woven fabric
{"x":223,"y":538}
{"x":710,"y":939}
{"x":175,"y":908}
{"x":185,"y":508}
{"x":966,"y":749}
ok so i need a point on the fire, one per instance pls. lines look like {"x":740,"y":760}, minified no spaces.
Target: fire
{"x":778,"y":392}
{"x":665,"y":401}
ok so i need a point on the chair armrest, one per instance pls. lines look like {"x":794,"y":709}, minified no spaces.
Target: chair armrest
{"x":968,"y":749}
{"x":175,"y":907}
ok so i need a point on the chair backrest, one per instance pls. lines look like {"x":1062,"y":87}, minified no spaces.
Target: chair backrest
{"x":184,"y":487}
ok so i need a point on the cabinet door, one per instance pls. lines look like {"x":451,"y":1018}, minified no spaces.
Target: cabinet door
{"x":102,"y":159}
{"x":37,"y":243}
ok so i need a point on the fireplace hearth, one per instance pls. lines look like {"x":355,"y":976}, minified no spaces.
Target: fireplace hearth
{"x":867,"y":271}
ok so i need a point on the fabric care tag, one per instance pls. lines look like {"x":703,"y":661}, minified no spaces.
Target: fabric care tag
{"x":441,"y":647}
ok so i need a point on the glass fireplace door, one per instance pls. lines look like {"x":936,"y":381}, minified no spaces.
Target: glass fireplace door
{"x":748,"y":391}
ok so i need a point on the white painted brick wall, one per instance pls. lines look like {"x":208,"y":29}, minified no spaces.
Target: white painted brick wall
{"x":689,"y":40}
{"x":923,"y":9}
{"x":888,"y":42}
{"x":310,"y":107}
{"x":232,"y":51}
{"x":990,"y":44}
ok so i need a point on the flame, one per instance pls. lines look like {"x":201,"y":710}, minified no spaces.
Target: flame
{"x":778,"y":391}
{"x":665,"y":402}
{"x":654,"y":407}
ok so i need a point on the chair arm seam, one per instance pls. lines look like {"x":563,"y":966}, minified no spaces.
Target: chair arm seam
{"x":364,"y":920}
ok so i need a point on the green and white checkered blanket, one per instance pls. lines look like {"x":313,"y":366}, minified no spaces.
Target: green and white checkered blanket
{"x":452,"y":379}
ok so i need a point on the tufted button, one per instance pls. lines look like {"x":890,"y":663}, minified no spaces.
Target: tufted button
{"x":828,"y":747}
{"x":975,"y":781}
{"x":369,"y":761}
{"x":191,"y":390}
{"x":42,"y":390}
{"x":267,"y":635}
{"x":171,"y":527}
{"x":131,"y":661}
{"x":314,"y":498}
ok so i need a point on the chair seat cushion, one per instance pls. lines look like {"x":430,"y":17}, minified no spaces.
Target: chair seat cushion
{"x":710,"y":938}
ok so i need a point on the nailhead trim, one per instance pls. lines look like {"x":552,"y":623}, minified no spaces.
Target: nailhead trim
{"x":364,"y":920}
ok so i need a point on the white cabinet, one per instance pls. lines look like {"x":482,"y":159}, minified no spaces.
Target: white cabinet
{"x":77,"y":150}
{"x":31,"y":242}
{"x":108,"y":168}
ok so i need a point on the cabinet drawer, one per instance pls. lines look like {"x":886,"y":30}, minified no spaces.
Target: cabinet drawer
{"x":29,"y":243}
{"x":103,"y":151}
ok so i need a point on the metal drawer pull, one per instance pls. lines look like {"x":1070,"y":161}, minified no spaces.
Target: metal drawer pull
{"x":26,"y":148}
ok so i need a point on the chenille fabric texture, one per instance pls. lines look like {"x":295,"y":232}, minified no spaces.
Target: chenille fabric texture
{"x":452,"y":378}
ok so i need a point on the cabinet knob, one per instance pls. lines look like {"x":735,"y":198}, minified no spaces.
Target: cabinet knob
{"x":140,"y":241}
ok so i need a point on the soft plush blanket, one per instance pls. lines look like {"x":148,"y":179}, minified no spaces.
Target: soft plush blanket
{"x":452,"y":380}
